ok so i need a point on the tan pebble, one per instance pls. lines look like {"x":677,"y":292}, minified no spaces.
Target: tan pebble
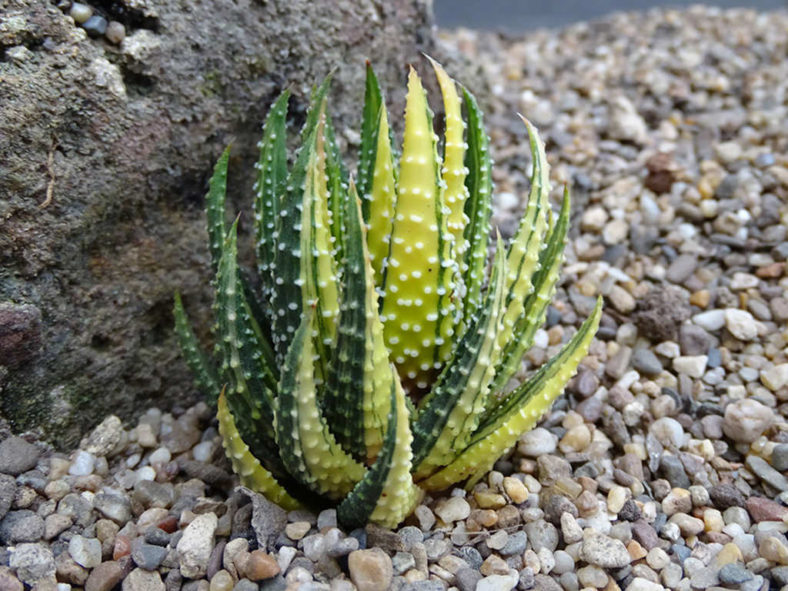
{"x":414,"y":575}
{"x":775,"y":550}
{"x":370,"y":570}
{"x":221,"y":581}
{"x":297,"y":530}
{"x":616,"y":498}
{"x":260,"y":566}
{"x":485,"y":517}
{"x":576,"y":439}
{"x":729,"y":554}
{"x":515,"y":489}
{"x":636,"y":551}
{"x":713,"y":520}
{"x":700,"y":298}
{"x":531,"y":559}
{"x":772,"y":271}
{"x":587,"y":504}
{"x":489,"y":500}
{"x":495,"y":565}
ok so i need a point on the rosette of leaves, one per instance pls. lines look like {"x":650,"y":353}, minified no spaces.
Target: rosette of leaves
{"x":372,"y":363}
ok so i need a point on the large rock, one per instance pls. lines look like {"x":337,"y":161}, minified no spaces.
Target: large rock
{"x":106,"y":151}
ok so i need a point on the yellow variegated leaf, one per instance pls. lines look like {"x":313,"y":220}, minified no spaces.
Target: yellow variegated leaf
{"x":400,"y":495}
{"x":493,"y":440}
{"x":382,"y":200}
{"x":419,"y":279}
{"x":248,"y":468}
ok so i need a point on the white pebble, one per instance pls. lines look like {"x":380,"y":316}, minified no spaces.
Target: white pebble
{"x":161,"y":456}
{"x":711,"y":320}
{"x":203,"y":452}
{"x":741,"y":324}
{"x":83,"y":464}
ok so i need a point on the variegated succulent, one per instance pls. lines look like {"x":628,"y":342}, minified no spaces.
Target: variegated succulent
{"x":372,"y":362}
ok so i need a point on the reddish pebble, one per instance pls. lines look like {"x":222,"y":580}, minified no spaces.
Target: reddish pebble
{"x":122,"y":547}
{"x":170,"y":524}
{"x":763,"y":509}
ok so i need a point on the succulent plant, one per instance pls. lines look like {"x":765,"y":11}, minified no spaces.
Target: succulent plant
{"x":373,"y":361}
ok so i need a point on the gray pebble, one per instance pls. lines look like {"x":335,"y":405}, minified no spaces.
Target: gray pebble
{"x":147,"y":556}
{"x":7,"y":492}
{"x":646,"y":362}
{"x":515,"y":544}
{"x":21,"y":526}
{"x":682,"y":267}
{"x":17,"y":456}
{"x":32,"y":562}
{"x":113,"y":506}
{"x":246,"y":585}
{"x":542,"y":535}
{"x":779,"y":457}
{"x":465,"y":579}
{"x":734,"y":574}
{"x":402,"y":562}
{"x":95,"y":26}
{"x":766,"y":473}
{"x":436,"y":549}
{"x":673,"y":470}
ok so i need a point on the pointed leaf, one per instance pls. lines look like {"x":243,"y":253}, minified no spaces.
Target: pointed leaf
{"x":206,"y":376}
{"x":307,"y":448}
{"x":521,"y":412}
{"x":373,"y":103}
{"x":451,"y":412}
{"x":523,"y":259}
{"x":381,"y":199}
{"x":214,"y":207}
{"x":417,"y":308}
{"x":248,"y":396}
{"x":253,"y":475}
{"x":535,"y":307}
{"x":453,"y":172}
{"x":359,"y":375}
{"x":478,"y":207}
{"x":269,"y":188}
{"x":386,"y":494}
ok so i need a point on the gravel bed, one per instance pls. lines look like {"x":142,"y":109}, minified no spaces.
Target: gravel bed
{"x":664,"y":465}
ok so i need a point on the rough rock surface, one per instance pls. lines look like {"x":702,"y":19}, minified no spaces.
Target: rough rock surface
{"x":105,"y":152}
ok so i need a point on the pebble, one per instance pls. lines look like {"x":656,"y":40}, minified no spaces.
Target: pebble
{"x":734,"y":574}
{"x":712,"y":320}
{"x":80,"y":12}
{"x":21,"y":526}
{"x":95,"y":26}
{"x":453,"y":509}
{"x":746,"y":419}
{"x":143,"y":580}
{"x":195,"y":546}
{"x":766,"y":473}
{"x":741,"y":324}
{"x":537,"y":442}
{"x":85,"y":551}
{"x":691,"y":365}
{"x":603,"y":551}
{"x":17,"y":456}
{"x":261,"y":566}
{"x":115,"y":32}
{"x":32,"y":562}
{"x":646,"y":362}
{"x":104,"y":577}
{"x":370,"y":570}
{"x":775,"y":377}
